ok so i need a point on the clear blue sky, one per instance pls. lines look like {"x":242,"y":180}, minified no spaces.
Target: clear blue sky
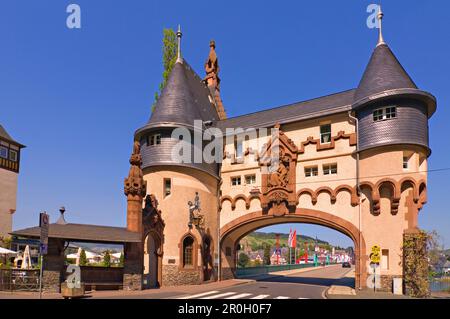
{"x":75,"y":97}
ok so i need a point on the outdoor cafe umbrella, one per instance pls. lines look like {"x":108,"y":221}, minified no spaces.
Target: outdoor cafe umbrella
{"x":6,"y":253}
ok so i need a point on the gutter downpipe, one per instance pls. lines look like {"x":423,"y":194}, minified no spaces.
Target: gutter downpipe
{"x":219,"y":244}
{"x":358,"y":188}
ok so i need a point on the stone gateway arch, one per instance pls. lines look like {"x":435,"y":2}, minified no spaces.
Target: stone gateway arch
{"x":354,"y":161}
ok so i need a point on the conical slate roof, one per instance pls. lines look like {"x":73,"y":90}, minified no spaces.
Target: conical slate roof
{"x":384,"y":72}
{"x":185,"y":98}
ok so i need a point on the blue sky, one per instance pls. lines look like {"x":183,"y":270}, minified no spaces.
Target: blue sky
{"x":75,"y":97}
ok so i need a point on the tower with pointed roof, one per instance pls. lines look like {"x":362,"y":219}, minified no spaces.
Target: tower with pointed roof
{"x":186,"y":103}
{"x":10,"y":151}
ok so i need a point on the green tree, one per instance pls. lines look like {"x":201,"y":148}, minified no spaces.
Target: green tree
{"x":5,"y":242}
{"x":121,"y":260}
{"x":266,"y":254}
{"x":107,"y":259}
{"x":83,"y":258}
{"x":243,"y":260}
{"x":170,"y":49}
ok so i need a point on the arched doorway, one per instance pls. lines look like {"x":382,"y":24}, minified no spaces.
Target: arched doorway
{"x":152,"y":261}
{"x":234,"y":231}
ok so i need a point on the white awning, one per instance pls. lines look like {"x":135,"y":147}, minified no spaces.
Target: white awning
{"x":4,"y":251}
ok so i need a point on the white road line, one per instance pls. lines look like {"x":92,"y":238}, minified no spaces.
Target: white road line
{"x":282,"y":297}
{"x":199,"y":295}
{"x":219,"y":295}
{"x":239,"y":296}
{"x":260,"y":297}
{"x":303,"y":298}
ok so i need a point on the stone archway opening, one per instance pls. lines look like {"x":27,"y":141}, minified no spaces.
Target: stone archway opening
{"x":152,"y":261}
{"x":234,"y":231}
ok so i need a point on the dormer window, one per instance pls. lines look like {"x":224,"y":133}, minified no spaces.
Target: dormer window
{"x":154,"y":139}
{"x":386,"y":113}
{"x":325,"y":133}
{"x":238,"y":148}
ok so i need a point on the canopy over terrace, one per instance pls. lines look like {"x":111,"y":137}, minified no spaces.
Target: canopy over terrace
{"x":59,"y":234}
{"x":83,"y":233}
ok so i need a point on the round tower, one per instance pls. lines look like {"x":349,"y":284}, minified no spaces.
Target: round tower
{"x":392,"y":122}
{"x":184,"y":188}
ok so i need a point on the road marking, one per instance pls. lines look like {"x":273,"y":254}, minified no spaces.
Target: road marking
{"x":199,"y":295}
{"x":303,"y":298}
{"x":282,"y":297}
{"x":260,"y":297}
{"x":219,"y":295}
{"x":239,"y":296}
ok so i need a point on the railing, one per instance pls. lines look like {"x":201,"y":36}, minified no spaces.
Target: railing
{"x":19,"y":279}
{"x":440,"y":281}
{"x":260,"y":270}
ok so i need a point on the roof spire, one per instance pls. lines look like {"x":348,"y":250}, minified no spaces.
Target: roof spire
{"x":179,"y":34}
{"x":380,"y":16}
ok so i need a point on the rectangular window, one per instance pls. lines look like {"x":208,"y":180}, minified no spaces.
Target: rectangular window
{"x":13,"y":155}
{"x":390,"y":112}
{"x":311,"y":171}
{"x":378,"y":115}
{"x":235,"y":181}
{"x":250,"y":179}
{"x":325,"y":133}
{"x":385,"y":113}
{"x":158,"y":139}
{"x":167,"y":186}
{"x":238,"y":148}
{"x":385,"y":259}
{"x":3,"y":152}
{"x":405,"y":162}
{"x":155,"y":139}
{"x":329,"y":169}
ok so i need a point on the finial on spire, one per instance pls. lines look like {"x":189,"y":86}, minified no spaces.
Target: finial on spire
{"x":380,"y":16}
{"x":179,"y":34}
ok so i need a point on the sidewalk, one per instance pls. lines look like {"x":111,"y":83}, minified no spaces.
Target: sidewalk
{"x":159,"y":293}
{"x":335,"y":292}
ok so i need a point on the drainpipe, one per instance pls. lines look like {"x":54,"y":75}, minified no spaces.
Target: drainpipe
{"x":219,"y":248}
{"x":358,"y":188}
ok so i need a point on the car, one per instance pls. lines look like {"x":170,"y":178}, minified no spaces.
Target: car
{"x":346,"y":265}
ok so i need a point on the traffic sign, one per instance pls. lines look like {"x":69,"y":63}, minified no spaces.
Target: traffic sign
{"x":375,"y":256}
{"x":44,"y":222}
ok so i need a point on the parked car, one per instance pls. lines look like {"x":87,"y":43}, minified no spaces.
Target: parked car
{"x":346,"y":265}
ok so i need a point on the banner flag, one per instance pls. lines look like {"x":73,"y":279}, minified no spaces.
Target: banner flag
{"x":294,"y":239}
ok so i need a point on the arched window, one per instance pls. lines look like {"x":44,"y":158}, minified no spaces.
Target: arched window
{"x":188,"y":252}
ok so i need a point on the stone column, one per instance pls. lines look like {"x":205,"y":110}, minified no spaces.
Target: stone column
{"x":53,"y":265}
{"x":135,"y":189}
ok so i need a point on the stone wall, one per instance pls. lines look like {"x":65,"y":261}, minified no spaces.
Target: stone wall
{"x":133,"y":267}
{"x":173,"y":276}
{"x":226,"y":273}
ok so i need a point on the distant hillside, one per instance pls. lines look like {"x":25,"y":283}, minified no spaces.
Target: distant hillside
{"x":99,"y":248}
{"x":257,"y":240}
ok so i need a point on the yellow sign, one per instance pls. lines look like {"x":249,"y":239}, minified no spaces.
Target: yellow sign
{"x":375,"y":255}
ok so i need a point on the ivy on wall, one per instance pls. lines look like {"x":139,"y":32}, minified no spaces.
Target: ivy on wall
{"x":415,"y":264}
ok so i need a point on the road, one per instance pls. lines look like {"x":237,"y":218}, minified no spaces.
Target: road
{"x":302,"y":285}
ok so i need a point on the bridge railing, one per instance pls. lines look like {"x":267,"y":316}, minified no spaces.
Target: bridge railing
{"x":260,"y":270}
